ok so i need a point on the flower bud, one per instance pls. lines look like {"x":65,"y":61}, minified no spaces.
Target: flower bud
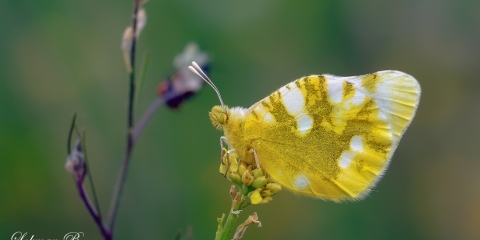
{"x":264,"y":201}
{"x":141,"y":21}
{"x":268,"y":199}
{"x":255,"y":196}
{"x":127,"y":40}
{"x":247,"y":178}
{"x":257,"y":172}
{"x":235,"y":178}
{"x":274,"y":187}
{"x":242,"y":168}
{"x":265,"y":193}
{"x":259,"y":182}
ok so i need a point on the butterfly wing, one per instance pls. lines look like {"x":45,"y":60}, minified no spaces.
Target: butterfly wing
{"x":332,"y":137}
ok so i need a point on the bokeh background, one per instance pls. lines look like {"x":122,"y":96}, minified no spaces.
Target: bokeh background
{"x":61,"y":57}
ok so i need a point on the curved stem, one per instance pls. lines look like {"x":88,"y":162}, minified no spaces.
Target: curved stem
{"x":146,"y":117}
{"x":95,"y":215}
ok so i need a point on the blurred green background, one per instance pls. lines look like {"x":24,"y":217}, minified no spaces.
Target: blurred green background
{"x":60,"y":57}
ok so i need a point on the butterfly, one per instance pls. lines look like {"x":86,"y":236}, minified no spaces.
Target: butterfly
{"x":323,"y":136}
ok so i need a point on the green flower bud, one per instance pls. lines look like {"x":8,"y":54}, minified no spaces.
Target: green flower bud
{"x":235,"y":178}
{"x":264,"y":201}
{"x":259,"y":182}
{"x":257,"y":172}
{"x":265,"y":193}
{"x":274,"y":187}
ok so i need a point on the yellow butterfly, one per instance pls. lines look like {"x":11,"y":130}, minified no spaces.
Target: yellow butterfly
{"x":324,"y":136}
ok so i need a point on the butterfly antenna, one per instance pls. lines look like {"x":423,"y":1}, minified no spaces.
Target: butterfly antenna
{"x":199,"y":72}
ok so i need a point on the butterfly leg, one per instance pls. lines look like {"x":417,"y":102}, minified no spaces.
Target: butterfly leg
{"x":255,"y":155}
{"x":227,"y":159}
{"x":222,"y":139}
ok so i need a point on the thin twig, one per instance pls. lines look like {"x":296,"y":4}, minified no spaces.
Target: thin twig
{"x":128,"y":151}
{"x":146,"y":117}
{"x":93,"y":210}
{"x":72,"y":126}
{"x":90,"y":175}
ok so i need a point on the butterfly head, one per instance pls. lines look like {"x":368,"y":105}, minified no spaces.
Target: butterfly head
{"x":219,"y":116}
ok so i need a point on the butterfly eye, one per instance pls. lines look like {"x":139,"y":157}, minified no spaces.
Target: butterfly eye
{"x":218,"y":116}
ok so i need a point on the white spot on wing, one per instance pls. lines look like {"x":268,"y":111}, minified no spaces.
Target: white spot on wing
{"x":358,"y":98}
{"x":383,"y":116}
{"x":268,"y":118}
{"x":356,"y":144}
{"x":301,"y":182}
{"x":346,"y":159}
{"x":292,"y":100}
{"x":305,"y":123}
{"x":335,"y":89}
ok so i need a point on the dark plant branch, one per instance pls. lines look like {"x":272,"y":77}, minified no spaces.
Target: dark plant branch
{"x":159,"y":101}
{"x":172,"y":92}
{"x":90,"y":175}
{"x":95,"y":215}
{"x":130,"y":119}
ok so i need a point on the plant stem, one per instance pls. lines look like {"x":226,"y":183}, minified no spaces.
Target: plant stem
{"x":90,"y":175}
{"x":146,"y":117}
{"x":228,"y":226}
{"x":130,"y":119}
{"x":96,"y":217}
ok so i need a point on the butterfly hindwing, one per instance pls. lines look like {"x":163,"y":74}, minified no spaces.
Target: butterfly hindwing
{"x":332,"y":137}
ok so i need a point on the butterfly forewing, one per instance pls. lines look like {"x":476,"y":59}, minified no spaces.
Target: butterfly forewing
{"x":332,"y":137}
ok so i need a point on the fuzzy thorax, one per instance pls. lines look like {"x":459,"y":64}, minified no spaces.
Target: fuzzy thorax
{"x":232,"y":120}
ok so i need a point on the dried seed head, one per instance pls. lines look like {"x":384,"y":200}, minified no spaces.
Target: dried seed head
{"x":76,"y":162}
{"x":141,"y":21}
{"x":252,"y":219}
